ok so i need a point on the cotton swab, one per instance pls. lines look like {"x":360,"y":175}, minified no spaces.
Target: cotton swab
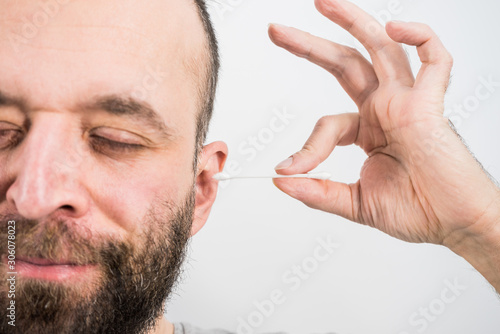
{"x":317,"y":176}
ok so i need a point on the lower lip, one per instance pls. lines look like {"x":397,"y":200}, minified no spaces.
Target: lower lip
{"x":52,"y":272}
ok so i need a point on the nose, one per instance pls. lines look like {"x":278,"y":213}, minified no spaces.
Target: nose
{"x":47,"y":172}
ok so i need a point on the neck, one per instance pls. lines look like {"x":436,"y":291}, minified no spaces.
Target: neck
{"x":163,"y":327}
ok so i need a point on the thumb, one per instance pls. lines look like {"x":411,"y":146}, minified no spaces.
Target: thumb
{"x":329,"y":196}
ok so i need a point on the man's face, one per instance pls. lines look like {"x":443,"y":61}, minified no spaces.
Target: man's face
{"x":98,"y":101}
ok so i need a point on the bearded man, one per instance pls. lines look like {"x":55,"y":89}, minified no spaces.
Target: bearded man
{"x":104,"y":174}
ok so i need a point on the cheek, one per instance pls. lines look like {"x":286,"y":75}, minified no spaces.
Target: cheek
{"x":125,"y":195}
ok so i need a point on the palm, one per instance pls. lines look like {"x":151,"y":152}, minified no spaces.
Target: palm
{"x":388,"y":199}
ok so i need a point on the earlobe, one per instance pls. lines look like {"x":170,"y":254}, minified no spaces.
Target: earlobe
{"x":211,"y":161}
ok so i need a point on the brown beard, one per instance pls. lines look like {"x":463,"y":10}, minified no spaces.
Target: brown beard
{"x":127,"y":296}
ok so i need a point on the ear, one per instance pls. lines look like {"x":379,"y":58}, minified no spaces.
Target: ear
{"x":211,"y":161}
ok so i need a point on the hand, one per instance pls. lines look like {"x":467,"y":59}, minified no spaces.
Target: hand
{"x":419,"y":182}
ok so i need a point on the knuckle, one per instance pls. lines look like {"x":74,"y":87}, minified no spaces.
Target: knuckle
{"x":352,"y":52}
{"x":312,"y":153}
{"x":426,"y":28}
{"x":324,"y":121}
{"x":309,"y":52}
{"x":444,"y":60}
{"x":309,"y":150}
{"x":448,"y":59}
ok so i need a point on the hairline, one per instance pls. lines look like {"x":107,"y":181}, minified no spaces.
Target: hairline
{"x":206,"y":88}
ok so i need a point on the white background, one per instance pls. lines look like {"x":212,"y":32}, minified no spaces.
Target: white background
{"x":372,"y":283}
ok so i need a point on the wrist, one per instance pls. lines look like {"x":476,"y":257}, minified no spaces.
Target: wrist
{"x":479,"y":244}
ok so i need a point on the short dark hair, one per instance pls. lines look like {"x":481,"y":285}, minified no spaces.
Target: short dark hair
{"x":208,"y":92}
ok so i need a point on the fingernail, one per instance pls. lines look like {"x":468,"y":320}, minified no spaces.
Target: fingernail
{"x":284,"y":164}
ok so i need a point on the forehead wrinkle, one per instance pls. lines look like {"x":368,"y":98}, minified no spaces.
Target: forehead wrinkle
{"x":117,"y":40}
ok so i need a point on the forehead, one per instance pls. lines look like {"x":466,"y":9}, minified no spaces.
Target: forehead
{"x":70,"y":49}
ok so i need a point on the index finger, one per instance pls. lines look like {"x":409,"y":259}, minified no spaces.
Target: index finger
{"x":389,"y":59}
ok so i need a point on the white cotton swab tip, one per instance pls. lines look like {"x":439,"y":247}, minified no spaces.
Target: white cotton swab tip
{"x":318,"y":176}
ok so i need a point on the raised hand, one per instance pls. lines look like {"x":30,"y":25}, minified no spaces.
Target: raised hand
{"x":419,"y":182}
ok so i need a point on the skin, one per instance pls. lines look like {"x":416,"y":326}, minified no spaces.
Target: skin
{"x":419,"y":182}
{"x":94,"y":48}
{"x":443,"y":196}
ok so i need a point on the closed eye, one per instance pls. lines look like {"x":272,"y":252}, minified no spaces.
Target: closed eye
{"x":10,"y":138}
{"x":105,"y":145}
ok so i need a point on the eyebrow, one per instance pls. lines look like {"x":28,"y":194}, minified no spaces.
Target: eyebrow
{"x":123,"y":105}
{"x":114,"y":104}
{"x":7,"y":101}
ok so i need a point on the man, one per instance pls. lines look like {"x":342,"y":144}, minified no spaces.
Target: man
{"x":104,"y":111}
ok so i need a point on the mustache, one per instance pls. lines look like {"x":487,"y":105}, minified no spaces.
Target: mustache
{"x":56,"y":240}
